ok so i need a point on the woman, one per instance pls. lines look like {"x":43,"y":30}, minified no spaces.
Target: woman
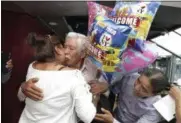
{"x":66,"y":93}
{"x":136,"y":95}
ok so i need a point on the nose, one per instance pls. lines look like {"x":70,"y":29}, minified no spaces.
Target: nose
{"x":66,"y":50}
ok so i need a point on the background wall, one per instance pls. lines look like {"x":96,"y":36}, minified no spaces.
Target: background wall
{"x":15,"y":28}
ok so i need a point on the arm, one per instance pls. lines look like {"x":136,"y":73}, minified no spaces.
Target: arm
{"x":29,"y":89}
{"x":150,"y":117}
{"x":84,"y":107}
{"x":175,"y":92}
{"x":178,"y":111}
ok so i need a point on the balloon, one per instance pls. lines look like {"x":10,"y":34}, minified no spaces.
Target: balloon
{"x":108,"y":41}
{"x":138,"y":15}
{"x":110,"y":32}
{"x":95,"y":9}
{"x":133,"y":60}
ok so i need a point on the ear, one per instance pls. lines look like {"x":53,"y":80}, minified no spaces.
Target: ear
{"x":58,"y":49}
{"x":83,"y":55}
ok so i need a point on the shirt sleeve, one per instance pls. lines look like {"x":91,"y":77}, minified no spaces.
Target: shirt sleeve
{"x":20,"y":95}
{"x":84,"y":107}
{"x":115,"y":121}
{"x":118,"y":85}
{"x":150,"y":117}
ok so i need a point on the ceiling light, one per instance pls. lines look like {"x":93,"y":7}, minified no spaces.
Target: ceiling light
{"x":53,"y":23}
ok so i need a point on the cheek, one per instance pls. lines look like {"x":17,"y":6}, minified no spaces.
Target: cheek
{"x":62,"y":53}
{"x":136,"y":86}
{"x":73,"y":53}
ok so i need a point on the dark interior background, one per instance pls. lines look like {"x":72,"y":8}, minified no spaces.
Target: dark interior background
{"x":75,"y":14}
{"x":15,"y":28}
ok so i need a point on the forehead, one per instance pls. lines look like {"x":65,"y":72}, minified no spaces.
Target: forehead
{"x":70,"y":42}
{"x":144,"y":80}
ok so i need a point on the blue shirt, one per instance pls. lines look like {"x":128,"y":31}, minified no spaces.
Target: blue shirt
{"x":132,"y":109}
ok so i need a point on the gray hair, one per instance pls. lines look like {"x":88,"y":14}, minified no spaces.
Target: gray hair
{"x":81,"y":40}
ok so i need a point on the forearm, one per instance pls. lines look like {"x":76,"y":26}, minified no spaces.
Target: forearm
{"x":150,"y":117}
{"x":178,"y":110}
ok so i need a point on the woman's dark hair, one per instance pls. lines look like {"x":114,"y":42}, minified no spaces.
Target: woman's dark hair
{"x":44,"y":46}
{"x":158,"y":80}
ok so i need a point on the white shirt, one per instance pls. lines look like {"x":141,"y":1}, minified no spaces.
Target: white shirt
{"x":66,"y":96}
{"x":89,"y":71}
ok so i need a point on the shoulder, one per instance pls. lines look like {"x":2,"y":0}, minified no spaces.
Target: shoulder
{"x":79,"y":74}
{"x":133,"y":75}
{"x":130,"y":78}
{"x":148,"y":102}
{"x":30,"y":67}
{"x":68,"y":68}
{"x":79,"y":77}
{"x":32,"y":64}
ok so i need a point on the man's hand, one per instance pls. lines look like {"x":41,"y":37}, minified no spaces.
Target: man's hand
{"x":98,"y":87}
{"x":31,"y":91}
{"x":175,"y":92}
{"x":106,"y":117}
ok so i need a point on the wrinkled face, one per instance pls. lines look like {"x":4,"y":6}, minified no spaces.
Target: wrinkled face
{"x":72,"y":55}
{"x":60,"y":54}
{"x":142,"y":87}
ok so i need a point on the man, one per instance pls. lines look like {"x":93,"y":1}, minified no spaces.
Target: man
{"x":75,"y":53}
{"x":137,"y":94}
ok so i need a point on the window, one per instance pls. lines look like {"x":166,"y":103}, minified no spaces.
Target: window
{"x":169,"y":63}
